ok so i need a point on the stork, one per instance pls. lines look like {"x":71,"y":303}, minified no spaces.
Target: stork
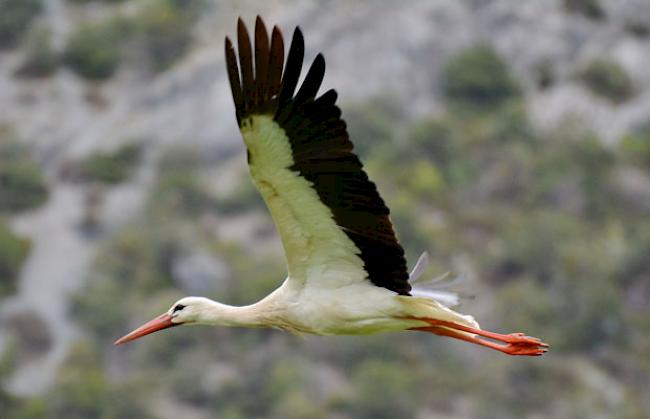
{"x":346,"y":269}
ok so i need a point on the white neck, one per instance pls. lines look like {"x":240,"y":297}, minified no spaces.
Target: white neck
{"x":218,"y":314}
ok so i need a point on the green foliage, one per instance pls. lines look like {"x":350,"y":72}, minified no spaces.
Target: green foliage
{"x":15,"y":20}
{"x":382,"y":391}
{"x":595,"y":162}
{"x":244,"y":197}
{"x":634,"y":266}
{"x":83,"y":391}
{"x":564,"y":273}
{"x":22,"y":186}
{"x":573,"y":173}
{"x":164,"y":28}
{"x":135,"y":263}
{"x":111,"y":168}
{"x":637,"y":26}
{"x":102,"y":308}
{"x":140,"y":257}
{"x":424,"y":179}
{"x":296,"y":405}
{"x":98,"y":1}
{"x":479,"y":78}
{"x":181,"y":159}
{"x":607,"y":79}
{"x":94,"y":50}
{"x":180,"y":190}
{"x":635,"y":146}
{"x":183,"y":193}
{"x":160,"y":31}
{"x":588,"y":8}
{"x":79,"y":392}
{"x":13,"y":252}
{"x":369,"y":124}
{"x":19,"y":408}
{"x":433,"y":140}
{"x":250,"y":281}
{"x":31,"y":334}
{"x":40,"y":59}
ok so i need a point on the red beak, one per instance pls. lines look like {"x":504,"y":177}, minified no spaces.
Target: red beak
{"x":161,"y":322}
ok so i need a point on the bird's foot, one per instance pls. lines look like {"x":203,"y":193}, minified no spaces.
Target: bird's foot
{"x":520,"y":344}
{"x":511,"y":344}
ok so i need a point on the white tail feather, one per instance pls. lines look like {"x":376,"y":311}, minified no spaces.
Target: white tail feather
{"x":419,"y":267}
{"x":433,"y":288}
{"x":446,"y":298}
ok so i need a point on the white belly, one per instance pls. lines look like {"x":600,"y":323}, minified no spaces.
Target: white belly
{"x":351,"y":310}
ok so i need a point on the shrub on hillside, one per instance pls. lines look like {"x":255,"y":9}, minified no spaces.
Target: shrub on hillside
{"x":479,"y":77}
{"x":636,"y":146}
{"x":13,"y":252}
{"x":40,"y":59}
{"x":637,"y":26}
{"x":97,"y":1}
{"x":607,"y":79}
{"x":22,"y":185}
{"x":588,"y":8}
{"x":165,"y":31}
{"x":15,"y":19}
{"x":160,"y":32}
{"x":371,"y":124}
{"x":166,"y":34}
{"x":82,"y":390}
{"x":108,"y":168}
{"x":32,"y":334}
{"x":182,"y":193}
{"x":93,"y":50}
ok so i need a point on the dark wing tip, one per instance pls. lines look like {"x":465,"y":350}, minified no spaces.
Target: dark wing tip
{"x":246,"y":66}
{"x":260,"y":26}
{"x":233,"y":75}
{"x":328,"y":98}
{"x":298,"y":37}
{"x":293,"y":66}
{"x":319,"y":61}
{"x":313,"y":80}
{"x":276,"y":64}
{"x":242,"y":34}
{"x":262,"y":51}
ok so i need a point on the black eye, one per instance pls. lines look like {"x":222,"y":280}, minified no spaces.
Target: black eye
{"x":178,"y":307}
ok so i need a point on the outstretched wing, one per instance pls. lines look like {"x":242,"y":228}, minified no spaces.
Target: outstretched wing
{"x":334,"y":226}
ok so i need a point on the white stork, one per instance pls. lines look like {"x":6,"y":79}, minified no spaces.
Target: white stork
{"x":346,"y":269}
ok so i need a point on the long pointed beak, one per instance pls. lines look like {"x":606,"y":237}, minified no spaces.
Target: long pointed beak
{"x":161,"y":322}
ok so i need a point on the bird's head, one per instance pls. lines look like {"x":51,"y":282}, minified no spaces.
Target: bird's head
{"x":187,"y":310}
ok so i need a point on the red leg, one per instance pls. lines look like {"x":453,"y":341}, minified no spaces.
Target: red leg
{"x":515,"y":343}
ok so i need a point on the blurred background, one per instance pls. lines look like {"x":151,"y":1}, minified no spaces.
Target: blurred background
{"x":511,"y":140}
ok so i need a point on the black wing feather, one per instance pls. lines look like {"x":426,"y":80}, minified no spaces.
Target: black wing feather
{"x":293,"y":68}
{"x":233,"y":78}
{"x":261,"y":61}
{"x":246,"y":66}
{"x":312,"y":81}
{"x":321,"y":148}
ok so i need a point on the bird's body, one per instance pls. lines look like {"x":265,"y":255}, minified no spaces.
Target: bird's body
{"x":346,"y":269}
{"x":356,"y":309}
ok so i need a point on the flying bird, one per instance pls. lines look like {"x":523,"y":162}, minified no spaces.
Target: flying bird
{"x":347,"y":272}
